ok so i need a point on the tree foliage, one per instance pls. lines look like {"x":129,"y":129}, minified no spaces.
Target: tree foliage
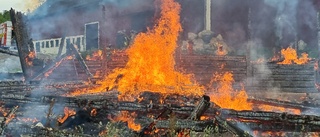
{"x":4,"y":16}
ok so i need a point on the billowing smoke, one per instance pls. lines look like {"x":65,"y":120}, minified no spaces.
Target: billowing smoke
{"x":285,"y":19}
{"x":10,"y":64}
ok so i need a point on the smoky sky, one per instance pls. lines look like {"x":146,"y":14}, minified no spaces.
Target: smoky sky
{"x":276,"y":23}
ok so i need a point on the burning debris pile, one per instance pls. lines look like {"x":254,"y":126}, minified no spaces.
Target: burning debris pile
{"x":142,"y":93}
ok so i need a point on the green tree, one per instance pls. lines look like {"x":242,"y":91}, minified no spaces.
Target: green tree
{"x":4,"y":16}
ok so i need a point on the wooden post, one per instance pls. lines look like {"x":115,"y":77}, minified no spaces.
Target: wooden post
{"x":248,"y":50}
{"x":318,"y":28}
{"x":207,"y":18}
{"x":203,"y":105}
{"x":61,"y":46}
{"x":21,"y":32}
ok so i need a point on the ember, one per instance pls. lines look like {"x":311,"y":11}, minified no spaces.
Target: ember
{"x":30,"y":57}
{"x":96,"y":55}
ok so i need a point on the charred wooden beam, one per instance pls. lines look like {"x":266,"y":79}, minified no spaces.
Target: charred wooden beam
{"x":203,"y":105}
{"x":49,"y":67}
{"x":282,"y":127}
{"x":270,"y":117}
{"x":22,"y":37}
{"x":184,"y":124}
{"x":231,"y":127}
{"x":284,"y":104}
{"x":81,"y":60}
{"x":13,"y":53}
{"x":150,"y":127}
{"x":7,"y":119}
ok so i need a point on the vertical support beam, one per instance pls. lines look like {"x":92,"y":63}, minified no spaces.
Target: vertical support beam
{"x":23,"y":41}
{"x":318,"y":29}
{"x":207,"y":18}
{"x":248,"y":50}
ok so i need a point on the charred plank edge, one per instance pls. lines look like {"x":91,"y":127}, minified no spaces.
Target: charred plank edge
{"x":150,"y":127}
{"x":203,"y":105}
{"x":22,"y":40}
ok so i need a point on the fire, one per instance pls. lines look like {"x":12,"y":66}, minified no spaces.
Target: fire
{"x":96,"y":55}
{"x":93,"y":112}
{"x":67,"y":113}
{"x":125,"y":116}
{"x":204,"y":118}
{"x":3,"y":111}
{"x":221,"y":51}
{"x":290,"y":57}
{"x":29,"y":58}
{"x":151,"y":61}
{"x":70,"y":57}
{"x":47,"y":74}
{"x":225,"y":96}
{"x":279,"y":109}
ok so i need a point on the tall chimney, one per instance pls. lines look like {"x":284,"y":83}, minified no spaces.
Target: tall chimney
{"x":207,"y":18}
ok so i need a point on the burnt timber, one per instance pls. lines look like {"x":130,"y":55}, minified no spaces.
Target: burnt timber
{"x":23,"y":45}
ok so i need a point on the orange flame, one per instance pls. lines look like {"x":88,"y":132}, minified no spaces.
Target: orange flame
{"x":96,"y":55}
{"x":225,"y":96}
{"x":124,"y":116}
{"x":93,"y":112}
{"x":3,"y":111}
{"x":151,"y":61}
{"x":279,"y":109}
{"x":30,"y":57}
{"x":48,"y":73}
{"x":221,"y":51}
{"x":290,"y":57}
{"x":67,"y":113}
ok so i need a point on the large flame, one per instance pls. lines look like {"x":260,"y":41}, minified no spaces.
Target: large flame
{"x":151,"y":61}
{"x":225,"y":96}
{"x":290,"y":57}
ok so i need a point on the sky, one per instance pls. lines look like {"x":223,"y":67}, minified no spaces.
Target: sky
{"x":15,"y":4}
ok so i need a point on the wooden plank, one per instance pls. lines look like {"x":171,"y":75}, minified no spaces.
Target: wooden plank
{"x":285,"y":72}
{"x":263,"y":77}
{"x":294,"y":90}
{"x":293,"y":84}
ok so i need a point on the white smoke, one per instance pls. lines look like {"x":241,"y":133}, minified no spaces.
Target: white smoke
{"x":285,"y":20}
{"x":9,"y":64}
